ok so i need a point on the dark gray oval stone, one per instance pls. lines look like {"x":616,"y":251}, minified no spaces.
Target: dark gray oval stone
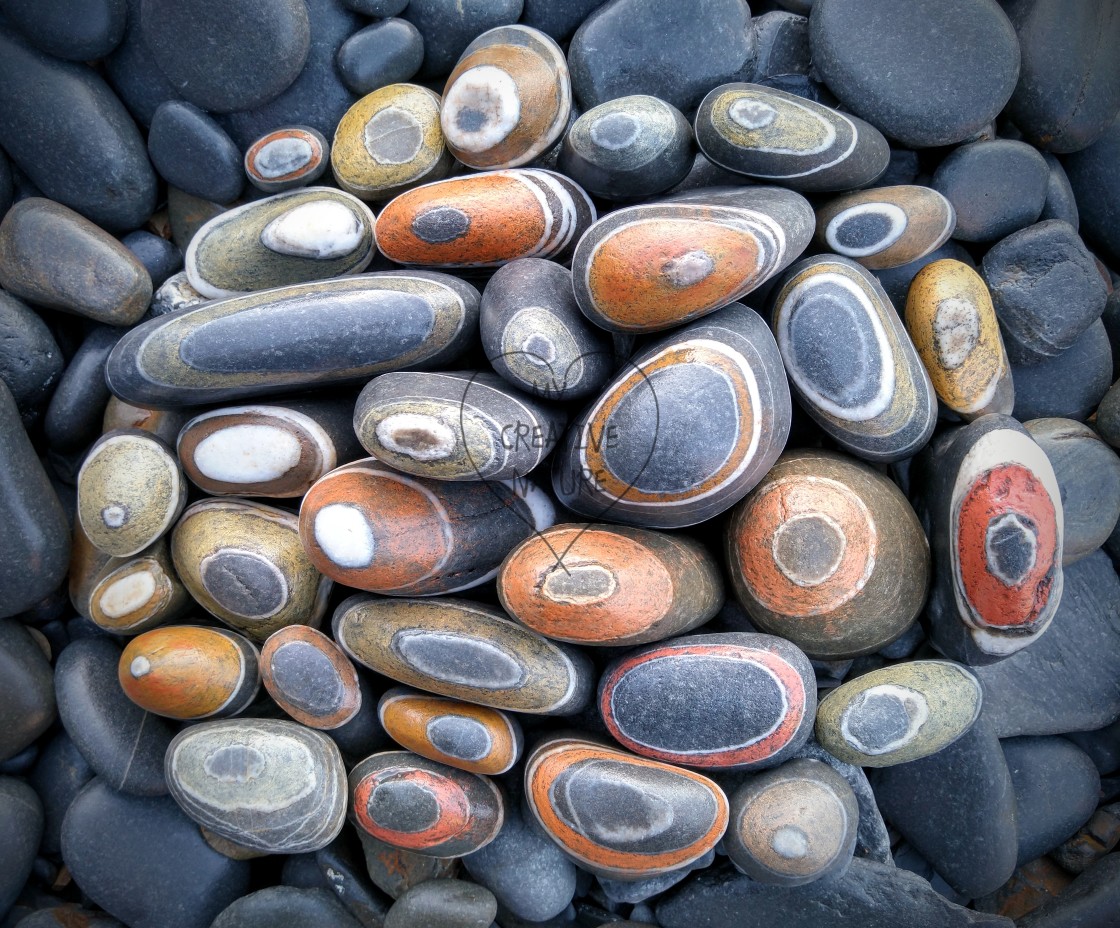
{"x":443,"y":904}
{"x":388,"y":52}
{"x":21,"y":824}
{"x":192,"y":152}
{"x":281,"y":906}
{"x":78,"y":30}
{"x":1094,"y":175}
{"x":58,"y":776}
{"x":307,"y":678}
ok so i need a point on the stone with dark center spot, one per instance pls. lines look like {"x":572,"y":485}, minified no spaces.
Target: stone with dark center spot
{"x":388,"y":52}
{"x":192,"y":152}
{"x":310,"y":677}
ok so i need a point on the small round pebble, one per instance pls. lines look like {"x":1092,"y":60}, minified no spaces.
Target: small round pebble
{"x":388,"y":52}
{"x":293,"y":156}
{"x":310,"y":677}
{"x":443,"y":904}
{"x":192,"y":152}
{"x":160,"y":256}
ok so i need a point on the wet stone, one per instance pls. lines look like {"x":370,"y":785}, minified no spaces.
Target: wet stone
{"x":280,"y":905}
{"x":388,"y":52}
{"x":266,"y":784}
{"x":448,"y":26}
{"x":1069,"y":386}
{"x":27,"y":700}
{"x":77,"y":406}
{"x":425,"y":807}
{"x":827,"y":552}
{"x":293,"y":156}
{"x":466,"y":651}
{"x":444,"y":904}
{"x":192,"y":152}
{"x":82,"y":31}
{"x":160,"y":256}
{"x":395,"y":870}
{"x":776,"y":136}
{"x":310,"y":677}
{"x":54,"y":257}
{"x":189,"y":672}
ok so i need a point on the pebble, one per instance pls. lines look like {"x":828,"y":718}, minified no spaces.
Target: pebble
{"x":190,"y":672}
{"x":266,"y":784}
{"x":58,"y":776}
{"x":952,"y":322}
{"x":310,"y":234}
{"x":21,"y":820}
{"x":77,"y":31}
{"x":132,"y":595}
{"x":1097,"y":838}
{"x":286,"y":158}
{"x":1046,"y":289}
{"x":27,"y":700}
{"x":900,"y":713}
{"x":1091,"y":898}
{"x":54,"y":257}
{"x":395,"y":870}
{"x":535,"y":336}
{"x":850,"y":362}
{"x":388,"y":52}
{"x":144,"y":862}
{"x":448,"y":27}
{"x":242,"y":561}
{"x":443,"y":904}
{"x":620,"y":816}
{"x":485,"y":219}
{"x":466,"y":651}
{"x":1108,"y":417}
{"x":92,"y":158}
{"x":633,"y":146}
{"x":390,"y":141}
{"x":130,"y":492}
{"x":285,"y":905}
{"x":780,"y":137}
{"x":160,"y":256}
{"x":376,"y":9}
{"x":275,"y":450}
{"x":909,"y":69}
{"x":225,"y":56}
{"x":310,"y":677}
{"x":610,"y":584}
{"x":186,"y":214}
{"x":1060,"y":201}
{"x":163,"y":423}
{"x":1093,"y":176}
{"x":37,"y":536}
{"x":425,"y":807}
{"x":371,"y":528}
{"x":343,"y":868}
{"x":363,"y":734}
{"x":886,"y":226}
{"x":793,"y":825}
{"x":257,"y":344}
{"x":133,"y":73}
{"x":1069,"y":386}
{"x":192,"y":152}
{"x":720,"y":414}
{"x":655,"y":266}
{"x":781,"y":45}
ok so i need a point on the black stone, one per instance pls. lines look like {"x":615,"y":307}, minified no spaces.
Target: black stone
{"x":59,"y":775}
{"x":388,"y":52}
{"x":1094,"y":174}
{"x":161,"y":257}
{"x":30,"y":360}
{"x":443,"y":904}
{"x":1111,"y":319}
{"x":66,"y":130}
{"x":21,"y":824}
{"x":1108,"y":416}
{"x":143,"y":861}
{"x":134,"y":74}
{"x":781,"y":45}
{"x":192,"y":152}
{"x":6,"y":190}
{"x":1060,"y":201}
{"x":1091,"y":900}
{"x":1102,"y":746}
{"x":343,"y":868}
{"x":286,"y":905}
{"x":124,"y":744}
{"x":377,"y":9}
{"x":557,"y":18}
{"x":78,"y":30}
{"x":76,"y":409}
{"x":448,"y":26}
{"x":363,"y":734}
{"x":1069,"y":386}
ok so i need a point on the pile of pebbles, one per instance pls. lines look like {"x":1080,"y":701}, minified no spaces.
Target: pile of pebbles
{"x":559,"y":463}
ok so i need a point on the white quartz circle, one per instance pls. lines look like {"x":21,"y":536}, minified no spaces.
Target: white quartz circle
{"x":344,"y":535}
{"x":322,"y":229}
{"x":127,"y":594}
{"x":480,"y":109}
{"x":247,"y":453}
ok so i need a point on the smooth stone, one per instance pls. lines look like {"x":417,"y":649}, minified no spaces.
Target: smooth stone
{"x":908,"y":70}
{"x":390,"y":141}
{"x":448,"y":27}
{"x":388,"y":52}
{"x":674,"y":52}
{"x":1031,"y":885}
{"x":535,"y":336}
{"x":395,"y":870}
{"x":720,"y":414}
{"x":425,"y":807}
{"x":363,"y":734}
{"x":89,"y":156}
{"x":1108,"y":417}
{"x":1068,"y":90}
{"x":828,"y":553}
{"x":192,"y":152}
{"x":557,"y":18}
{"x":633,"y":146}
{"x":900,"y":713}
{"x":376,"y":9}
{"x":130,"y":492}
{"x":288,"y":238}
{"x":1096,"y":839}
{"x":37,"y":534}
{"x":242,"y":561}
{"x":639,"y":891}
{"x":286,"y":905}
{"x":466,"y":651}
{"x":957,"y":809}
{"x":781,"y":45}
{"x":598,"y":584}
{"x":850,"y":362}
{"x":1088,"y":475}
{"x":372,"y":528}
{"x":1056,"y":789}
{"x":342,"y":865}
{"x":77,"y":407}
{"x":122,"y":743}
{"x":224,"y":56}
{"x":160,"y":256}
{"x":132,"y":71}
{"x":620,"y":816}
{"x":996,"y":187}
{"x":257,"y":344}
{"x":655,"y":266}
{"x":1091,"y":899}
{"x":1111,"y":319}
{"x":1046,"y":289}
{"x":485,"y":219}
{"x":77,"y":31}
{"x":953,"y":324}
{"x":508,"y":99}
{"x":186,"y":214}
{"x":64,"y":915}
{"x":776,"y":136}
{"x":54,"y":257}
{"x":870,"y":893}
{"x":58,"y":776}
{"x":886,"y":226}
{"x":455,"y":425}
{"x":1084,"y":636}
{"x":27,"y":701}
{"x":6,"y":187}
{"x":1093,"y":176}
{"x":266,"y":784}
{"x":1102,"y":746}
{"x":896,"y":280}
{"x":131,"y":595}
{"x":460,"y":734}
{"x":1069,"y":386}
{"x":293,"y":156}
{"x":443,"y":904}
{"x":310,"y":677}
{"x":190,"y":672}
{"x":1060,"y":201}
{"x":143,"y":861}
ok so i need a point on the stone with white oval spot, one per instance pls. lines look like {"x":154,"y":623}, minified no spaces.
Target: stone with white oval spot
{"x":292,"y":156}
{"x":310,"y":677}
{"x":266,"y":784}
{"x":132,"y":595}
{"x":323,"y":231}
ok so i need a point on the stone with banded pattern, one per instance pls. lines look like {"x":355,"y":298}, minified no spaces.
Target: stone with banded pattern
{"x":310,"y":677}
{"x":292,"y":156}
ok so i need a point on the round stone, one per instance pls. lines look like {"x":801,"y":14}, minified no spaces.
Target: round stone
{"x":388,"y":52}
{"x":443,"y":904}
{"x":285,"y":158}
{"x":310,"y":677}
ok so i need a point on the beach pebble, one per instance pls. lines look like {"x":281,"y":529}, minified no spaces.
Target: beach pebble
{"x":58,"y":776}
{"x":1094,"y":177}
{"x":77,"y":407}
{"x":133,"y":594}
{"x":31,"y":362}
{"x":896,"y":280}
{"x":77,"y":31}
{"x":280,"y":905}
{"x":394,"y":870}
{"x":1060,"y":201}
{"x":388,"y":52}
{"x":1108,"y":417}
{"x":1068,"y":386}
{"x":310,"y":677}
{"x":160,"y":256}
{"x":27,"y":700}
{"x":293,"y":156}
{"x":557,"y":18}
{"x":192,"y":152}
{"x":443,"y":904}
{"x":448,"y":26}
